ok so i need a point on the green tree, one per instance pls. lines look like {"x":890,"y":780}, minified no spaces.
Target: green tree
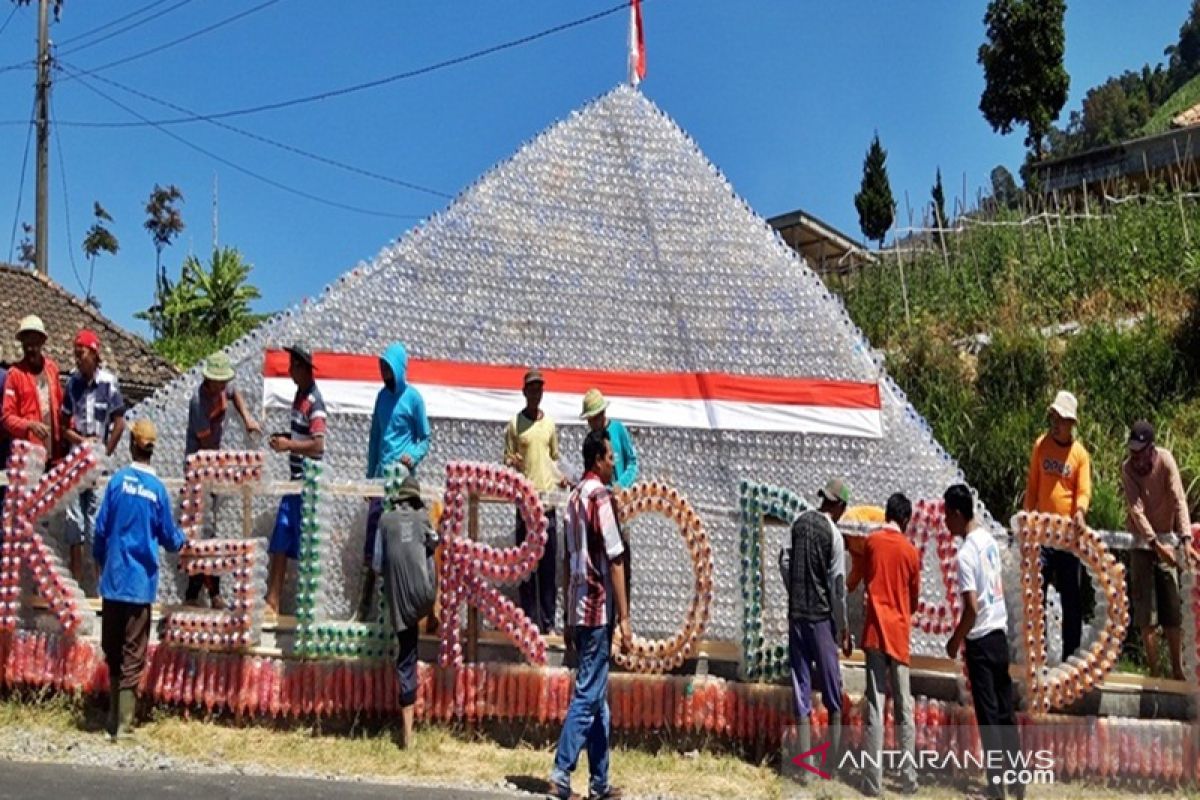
{"x":876,"y":208}
{"x":1004,"y":188}
{"x":938,"y":196}
{"x":1025,"y":80}
{"x":26,"y":250}
{"x":164,"y":222}
{"x":99,"y":240}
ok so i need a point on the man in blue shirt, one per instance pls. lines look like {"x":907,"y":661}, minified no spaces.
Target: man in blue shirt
{"x":595,"y":411}
{"x":134,"y":520}
{"x":399,"y":435}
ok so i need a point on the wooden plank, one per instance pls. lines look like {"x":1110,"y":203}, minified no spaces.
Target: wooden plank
{"x":471,"y":652}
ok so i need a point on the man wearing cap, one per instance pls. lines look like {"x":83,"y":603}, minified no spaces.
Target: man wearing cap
{"x":135,"y":519}
{"x":206,"y":427}
{"x":32,"y":393}
{"x":595,"y":411}
{"x":1159,"y":520}
{"x":306,"y":439}
{"x":93,"y":410}
{"x":814,"y":574}
{"x":408,"y":578}
{"x":399,"y":436}
{"x":1060,"y":482}
{"x":531,"y":446}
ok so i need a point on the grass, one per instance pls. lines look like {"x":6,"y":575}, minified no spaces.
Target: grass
{"x":1184,"y":98}
{"x":440,"y":756}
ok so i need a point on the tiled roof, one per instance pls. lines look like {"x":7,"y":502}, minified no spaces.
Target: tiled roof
{"x":23,"y":291}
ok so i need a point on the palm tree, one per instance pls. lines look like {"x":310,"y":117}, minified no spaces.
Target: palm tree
{"x":220,"y":296}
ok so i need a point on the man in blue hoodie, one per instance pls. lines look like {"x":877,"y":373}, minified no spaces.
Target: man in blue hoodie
{"x":134,"y":519}
{"x":399,"y":435}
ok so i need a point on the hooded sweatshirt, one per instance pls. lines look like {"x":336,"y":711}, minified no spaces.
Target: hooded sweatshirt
{"x":399,"y":426}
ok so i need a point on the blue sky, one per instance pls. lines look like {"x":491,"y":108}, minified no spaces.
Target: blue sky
{"x":782,"y":96}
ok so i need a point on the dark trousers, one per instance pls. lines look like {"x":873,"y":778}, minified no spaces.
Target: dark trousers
{"x":991,"y":688}
{"x":1064,"y":571}
{"x":125,"y":631}
{"x":812,"y":647}
{"x":406,"y":666}
{"x":538,"y":592}
{"x":197,"y":582}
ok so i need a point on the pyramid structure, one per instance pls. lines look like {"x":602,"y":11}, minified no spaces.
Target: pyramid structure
{"x":607,"y":243}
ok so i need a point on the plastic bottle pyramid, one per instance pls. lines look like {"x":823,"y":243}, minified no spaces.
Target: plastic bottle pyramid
{"x":607,"y":243}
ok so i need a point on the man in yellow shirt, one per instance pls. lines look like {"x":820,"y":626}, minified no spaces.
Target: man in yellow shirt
{"x":531,"y":446}
{"x":1060,"y":482}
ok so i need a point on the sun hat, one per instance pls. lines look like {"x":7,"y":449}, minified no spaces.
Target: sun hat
{"x":1066,"y":406}
{"x":593,"y":404}
{"x":300,"y":353}
{"x":835,"y":490}
{"x":217,"y":367}
{"x":31,"y":324}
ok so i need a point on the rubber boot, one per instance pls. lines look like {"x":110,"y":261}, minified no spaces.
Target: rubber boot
{"x":803,"y":745}
{"x":126,"y":704}
{"x":367,"y":600}
{"x":110,"y":725}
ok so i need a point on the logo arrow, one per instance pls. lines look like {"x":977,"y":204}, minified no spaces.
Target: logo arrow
{"x":822,"y":750}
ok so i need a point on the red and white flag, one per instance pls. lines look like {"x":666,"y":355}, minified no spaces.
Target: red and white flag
{"x":697,"y":400}
{"x":637,"y":44}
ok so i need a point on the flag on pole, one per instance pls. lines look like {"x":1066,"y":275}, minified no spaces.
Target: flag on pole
{"x":637,"y":44}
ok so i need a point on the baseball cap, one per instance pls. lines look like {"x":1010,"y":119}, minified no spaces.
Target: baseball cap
{"x":1066,"y":406}
{"x":89,"y":339}
{"x":300,"y":352}
{"x":593,"y":404}
{"x":144,"y":434}
{"x":1141,"y":435}
{"x":836,"y":490}
{"x":31,"y":324}
{"x":533,"y":376}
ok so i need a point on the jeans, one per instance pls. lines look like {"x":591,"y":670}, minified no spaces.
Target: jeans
{"x":991,"y":688}
{"x":587,"y":719}
{"x":81,"y":518}
{"x":881,"y":667}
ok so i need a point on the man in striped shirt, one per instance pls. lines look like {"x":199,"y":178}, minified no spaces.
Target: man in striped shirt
{"x":594,"y":588}
{"x":306,"y":439}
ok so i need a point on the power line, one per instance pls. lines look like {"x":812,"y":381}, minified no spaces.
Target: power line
{"x":127,"y":28}
{"x":107,"y":25}
{"x":62,"y":171}
{"x":359,"y":87}
{"x":9,"y":18}
{"x":233,"y":165}
{"x":12,"y":242}
{"x":220,"y":24}
{"x":266,"y":140}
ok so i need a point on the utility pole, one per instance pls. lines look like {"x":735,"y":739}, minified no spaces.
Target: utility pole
{"x":42,"y":115}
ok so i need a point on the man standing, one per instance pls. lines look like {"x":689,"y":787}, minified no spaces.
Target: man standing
{"x":93,"y":411}
{"x":593,"y":585}
{"x":1060,"y":482}
{"x":531,"y":446}
{"x":1159,"y":520}
{"x":984,"y":627}
{"x":595,"y":411}
{"x":408,"y":580}
{"x":32,"y":394}
{"x":206,"y":427}
{"x":399,"y":435}
{"x":814,"y":574}
{"x":892,"y":570}
{"x":306,"y":439}
{"x":135,"y":519}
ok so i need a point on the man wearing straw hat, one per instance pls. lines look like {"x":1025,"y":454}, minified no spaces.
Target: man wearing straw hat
{"x":206,"y":428}
{"x":595,"y":411}
{"x":1060,"y":482}
{"x":32,"y":393}
{"x":135,"y":519}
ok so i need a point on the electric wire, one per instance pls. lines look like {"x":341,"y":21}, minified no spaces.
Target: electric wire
{"x":110,"y":23}
{"x":126,"y":29}
{"x":12,"y":242}
{"x":66,"y":195}
{"x":84,"y":81}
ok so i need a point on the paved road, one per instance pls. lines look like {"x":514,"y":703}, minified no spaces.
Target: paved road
{"x":42,"y":781}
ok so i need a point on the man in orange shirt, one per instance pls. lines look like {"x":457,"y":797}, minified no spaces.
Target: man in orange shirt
{"x":1060,"y":482}
{"x":892,"y":570}
{"x":32,"y":392}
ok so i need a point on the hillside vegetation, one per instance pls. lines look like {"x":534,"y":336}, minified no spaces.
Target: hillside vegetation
{"x":1184,"y":98}
{"x":1128,"y":274}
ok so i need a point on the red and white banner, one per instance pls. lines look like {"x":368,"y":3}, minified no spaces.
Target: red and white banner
{"x":704,"y":400}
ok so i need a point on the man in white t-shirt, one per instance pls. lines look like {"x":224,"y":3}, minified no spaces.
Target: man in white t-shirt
{"x":984,"y":627}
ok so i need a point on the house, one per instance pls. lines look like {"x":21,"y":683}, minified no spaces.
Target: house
{"x":1170,"y":157}
{"x":826,"y":249}
{"x":23,"y":291}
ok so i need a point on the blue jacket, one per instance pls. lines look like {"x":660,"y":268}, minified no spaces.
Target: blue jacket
{"x":399,"y":426}
{"x":625,"y":470}
{"x":134,"y":519}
